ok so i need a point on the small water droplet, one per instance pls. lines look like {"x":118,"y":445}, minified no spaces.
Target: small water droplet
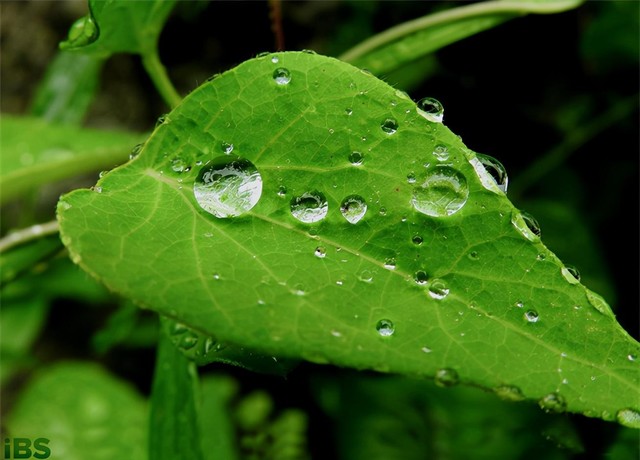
{"x":541,"y":257}
{"x":390,"y":263}
{"x":82,"y":32}
{"x":226,"y":147}
{"x":431,"y":109}
{"x":446,"y":377}
{"x":571,"y":274}
{"x":526,"y":224}
{"x":179,"y":166}
{"x":629,"y":418}
{"x":348,"y":111}
{"x":519,"y":304}
{"x":282,"y":76}
{"x":443,"y":192}
{"x":473,"y":255}
{"x":420,"y":277}
{"x":282,"y":191}
{"x":97,"y":189}
{"x":509,"y":393}
{"x":438,"y":289}
{"x":275,"y":59}
{"x":353,"y":208}
{"x":320,"y":252}
{"x":441,"y":152}
{"x":213,"y":77}
{"x":309,"y":207}
{"x":531,"y":316}
{"x":228,"y":186}
{"x":383,"y":211}
{"x":491,"y":172}
{"x":355,"y":158}
{"x":188,"y":340}
{"x":411,"y":178}
{"x":553,"y":402}
{"x":366,"y":276}
{"x":389,"y":126}
{"x":417,"y":240}
{"x":385,"y":328}
{"x":161,"y":120}
{"x":135,"y":151}
{"x":425,"y":350}
{"x":632,"y":357}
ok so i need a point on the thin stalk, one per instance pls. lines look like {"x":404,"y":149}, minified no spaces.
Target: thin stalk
{"x":27,"y":234}
{"x":158,"y":74}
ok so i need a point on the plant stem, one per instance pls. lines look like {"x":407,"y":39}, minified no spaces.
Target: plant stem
{"x":27,"y":234}
{"x":160,"y":78}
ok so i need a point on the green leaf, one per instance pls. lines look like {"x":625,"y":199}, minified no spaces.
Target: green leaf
{"x":216,"y":427}
{"x":15,"y":262}
{"x":35,"y":153}
{"x":173,"y":429}
{"x":119,"y":26}
{"x":423,"y":289}
{"x":406,"y":42}
{"x":84,"y":412}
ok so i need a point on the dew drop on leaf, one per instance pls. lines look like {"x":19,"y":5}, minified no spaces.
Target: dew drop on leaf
{"x":629,"y":418}
{"x":446,"y":377}
{"x":353,"y":208}
{"x":441,"y":152}
{"x":228,"y":186}
{"x":443,"y":192}
{"x":320,"y":252}
{"x":599,"y":303}
{"x":309,"y":207}
{"x":82,"y":32}
{"x":431,"y":109}
{"x":135,"y":151}
{"x":526,"y":224}
{"x":531,"y":316}
{"x":366,"y":276}
{"x":282,"y":76}
{"x":348,"y":111}
{"x":389,"y":126}
{"x":509,"y":393}
{"x":390,"y":263}
{"x":385,"y":328}
{"x":571,"y":274}
{"x":417,"y":240}
{"x":420,"y":277}
{"x":425,"y":350}
{"x":282,"y":191}
{"x":438,"y":289}
{"x":275,"y":59}
{"x":226,"y":147}
{"x":490,"y":172}
{"x":179,"y":166}
{"x":632,"y":357}
{"x":355,"y":158}
{"x":553,"y":402}
{"x":411,"y":178}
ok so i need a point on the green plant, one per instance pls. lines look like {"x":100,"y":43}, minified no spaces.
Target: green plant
{"x":300,"y":222}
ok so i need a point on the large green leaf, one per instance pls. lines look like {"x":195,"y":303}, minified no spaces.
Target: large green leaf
{"x":469,"y":295}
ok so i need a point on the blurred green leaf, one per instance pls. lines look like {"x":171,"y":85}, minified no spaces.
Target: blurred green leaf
{"x":218,"y":435}
{"x":17,"y":261}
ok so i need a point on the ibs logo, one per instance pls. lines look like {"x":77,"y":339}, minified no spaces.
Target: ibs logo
{"x":25,"y":448}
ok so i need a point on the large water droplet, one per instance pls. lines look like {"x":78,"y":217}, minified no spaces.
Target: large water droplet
{"x":309,"y":207}
{"x":385,"y":328}
{"x":282,"y":76}
{"x":531,"y":316}
{"x":443,"y":192}
{"x":353,"y":208}
{"x":228,"y":186}
{"x":526,"y":224}
{"x":571,"y":274}
{"x":553,"y":402}
{"x":389,"y":126}
{"x":431,"y":109}
{"x":629,"y":417}
{"x":438,"y":289}
{"x":355,"y":158}
{"x":509,"y":393}
{"x":491,"y":173}
{"x":446,"y":377}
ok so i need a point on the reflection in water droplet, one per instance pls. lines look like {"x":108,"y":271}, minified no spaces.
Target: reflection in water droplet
{"x":228,"y":186}
{"x":348,"y":111}
{"x":509,"y":393}
{"x":320,"y":252}
{"x":355,"y":158}
{"x":275,"y":59}
{"x":629,"y":418}
{"x":390,"y":263}
{"x":389,"y":126}
{"x":526,"y":224}
{"x":438,"y":289}
{"x":446,"y":377}
{"x":178,"y":165}
{"x":420,"y":277}
{"x":282,"y":76}
{"x":553,"y":402}
{"x":282,"y":191}
{"x":519,"y":304}
{"x":571,"y":274}
{"x":411,"y":178}
{"x":632,"y":357}
{"x":443,"y":192}
{"x":531,"y":316}
{"x":226,"y":147}
{"x":309,"y":207}
{"x":431,"y":109}
{"x":441,"y":152}
{"x":353,"y":208}
{"x":491,"y":172}
{"x":417,"y":240}
{"x":385,"y":328}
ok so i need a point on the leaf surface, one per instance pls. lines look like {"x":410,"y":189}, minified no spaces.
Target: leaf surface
{"x":425,"y":283}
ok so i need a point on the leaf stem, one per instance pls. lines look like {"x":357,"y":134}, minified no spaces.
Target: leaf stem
{"x":158,"y":74}
{"x":27,"y":234}
{"x":454,"y":14}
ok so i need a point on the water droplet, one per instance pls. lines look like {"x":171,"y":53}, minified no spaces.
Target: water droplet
{"x":179,"y":166}
{"x":571,"y":274}
{"x":282,"y":76}
{"x":102,"y":174}
{"x":490,"y":172}
{"x":417,"y":240}
{"x":531,"y":316}
{"x":282,"y":191}
{"x":228,"y":186}
{"x":446,"y":377}
{"x":526,"y":224}
{"x":431,"y":109}
{"x":275,"y":59}
{"x":383,"y":211}
{"x":443,"y":192}
{"x":425,"y":350}
{"x":629,"y":418}
{"x":227,"y":148}
{"x":353,"y":208}
{"x":366,"y":276}
{"x":309,"y":207}
{"x":97,"y":189}
{"x":348,"y":111}
{"x":541,"y":257}
{"x":509,"y":393}
{"x":385,"y":328}
{"x":441,"y":152}
{"x":438,"y":289}
{"x":188,"y":340}
{"x":355,"y":158}
{"x":420,"y":277}
{"x":320,"y":252}
{"x":161,"y":120}
{"x":82,"y":32}
{"x":632,"y":357}
{"x":599,"y":303}
{"x":553,"y":402}
{"x":473,"y":255}
{"x":390,"y":263}
{"x":135,"y":151}
{"x":411,"y":178}
{"x":519,"y":304}
{"x":389,"y":126}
